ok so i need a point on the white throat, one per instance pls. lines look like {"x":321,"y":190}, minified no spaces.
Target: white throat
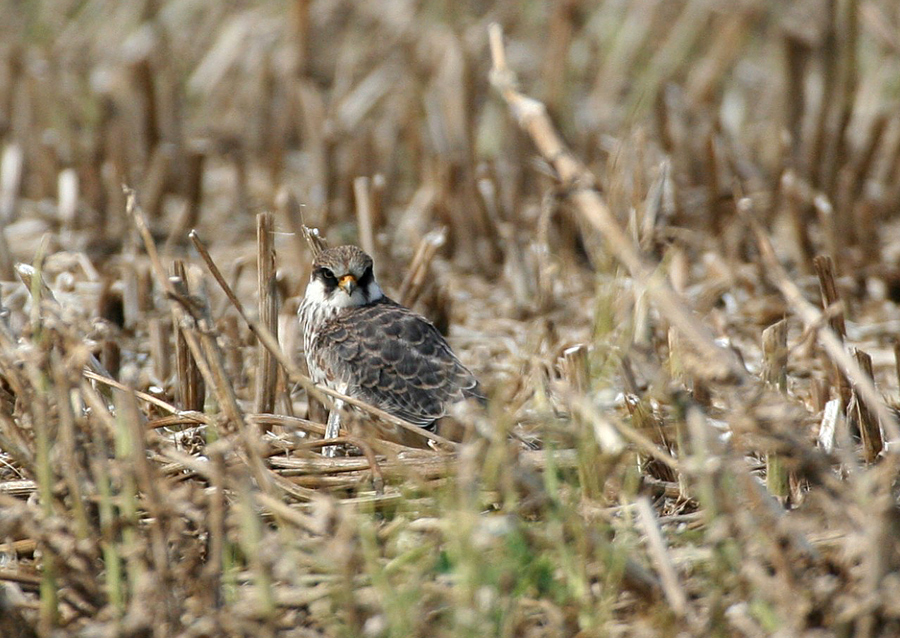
{"x":338,"y":299}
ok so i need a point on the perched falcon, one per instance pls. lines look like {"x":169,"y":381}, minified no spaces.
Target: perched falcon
{"x":364,"y":345}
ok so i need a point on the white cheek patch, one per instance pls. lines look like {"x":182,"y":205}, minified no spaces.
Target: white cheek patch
{"x":337,"y":299}
{"x":375,"y":291}
{"x":315,"y":292}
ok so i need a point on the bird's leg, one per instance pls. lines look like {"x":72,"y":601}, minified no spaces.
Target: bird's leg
{"x":333,"y":428}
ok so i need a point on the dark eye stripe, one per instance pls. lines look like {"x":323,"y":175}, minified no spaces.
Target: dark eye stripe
{"x":327,"y":275}
{"x":366,"y":277}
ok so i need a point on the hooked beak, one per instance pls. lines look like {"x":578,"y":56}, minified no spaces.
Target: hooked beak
{"x":348,"y":284}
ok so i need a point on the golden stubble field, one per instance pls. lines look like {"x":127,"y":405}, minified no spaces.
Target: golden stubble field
{"x":662,"y":234}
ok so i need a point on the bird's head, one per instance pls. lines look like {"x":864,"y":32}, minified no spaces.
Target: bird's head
{"x":342,"y":277}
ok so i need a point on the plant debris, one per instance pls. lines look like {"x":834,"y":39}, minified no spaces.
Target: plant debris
{"x":660,"y":234}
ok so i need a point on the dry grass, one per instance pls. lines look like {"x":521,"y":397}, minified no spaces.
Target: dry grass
{"x":661,"y":454}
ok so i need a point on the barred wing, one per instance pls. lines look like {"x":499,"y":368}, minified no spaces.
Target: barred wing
{"x":394,"y":359}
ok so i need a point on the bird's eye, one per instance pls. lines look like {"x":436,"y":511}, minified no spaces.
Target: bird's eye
{"x":366,"y":277}
{"x":328,"y":275}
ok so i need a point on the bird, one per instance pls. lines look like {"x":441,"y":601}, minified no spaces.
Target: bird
{"x":365,"y":345}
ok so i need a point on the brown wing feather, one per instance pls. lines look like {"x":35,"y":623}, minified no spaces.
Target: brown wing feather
{"x":394,"y":359}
